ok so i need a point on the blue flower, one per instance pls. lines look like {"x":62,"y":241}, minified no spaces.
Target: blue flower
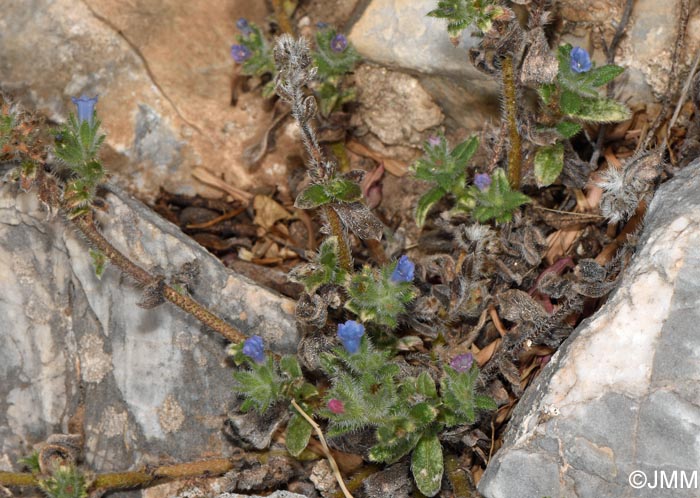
{"x":482,"y":181}
{"x":254,"y":349}
{"x":86,"y":108}
{"x":240,"y":53}
{"x":243,"y":26}
{"x":339,"y":43}
{"x":350,"y":333}
{"x":404,"y":270}
{"x":580,"y":60}
{"x":462,"y":363}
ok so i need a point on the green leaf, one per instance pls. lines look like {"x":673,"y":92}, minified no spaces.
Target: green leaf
{"x":425,"y":385}
{"x":99,"y":261}
{"x":484,"y":402}
{"x":426,"y":202}
{"x":298,"y":434}
{"x":546,"y":92}
{"x":549,"y":161}
{"x":395,"y":449}
{"x":423,"y":413}
{"x":568,"y":129}
{"x":427,"y":465}
{"x":344,"y":190}
{"x":603,"y":75}
{"x":600,"y":110}
{"x":570,"y":102}
{"x":464,"y":151}
{"x":312,"y":196}
{"x":290,"y":366}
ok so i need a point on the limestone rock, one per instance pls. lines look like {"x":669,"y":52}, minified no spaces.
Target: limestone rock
{"x":163,"y":73}
{"x":622,"y":395}
{"x":154,"y":383}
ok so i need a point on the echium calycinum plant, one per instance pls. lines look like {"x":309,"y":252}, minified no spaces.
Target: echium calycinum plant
{"x":567,"y":83}
{"x":367,"y":389}
{"x":334,"y":57}
{"x":408,"y":413}
{"x":487,"y":197}
{"x":78,"y":143}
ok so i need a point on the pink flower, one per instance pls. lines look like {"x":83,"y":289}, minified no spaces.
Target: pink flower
{"x":336,"y":406}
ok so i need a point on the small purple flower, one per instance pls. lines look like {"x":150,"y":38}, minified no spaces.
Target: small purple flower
{"x":462,"y":363}
{"x":254,"y":349}
{"x":434,"y":141}
{"x":482,"y":181}
{"x":350,"y":333}
{"x":86,"y":108}
{"x":339,"y":43}
{"x":404,"y":270}
{"x":580,"y":60}
{"x":240,"y":53}
{"x":243,"y":26}
{"x":336,"y":406}
{"x":321,"y":25}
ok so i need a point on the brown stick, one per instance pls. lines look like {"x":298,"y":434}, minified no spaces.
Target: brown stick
{"x":86,"y":225}
{"x":511,"y":109}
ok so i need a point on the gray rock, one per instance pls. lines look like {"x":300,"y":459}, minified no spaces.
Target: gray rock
{"x":623,"y":392}
{"x":395,"y":481}
{"x":276,"y":494}
{"x":154,"y":382}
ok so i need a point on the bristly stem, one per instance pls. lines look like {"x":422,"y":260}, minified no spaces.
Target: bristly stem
{"x":86,"y":225}
{"x":511,"y":109}
{"x":337,"y":230}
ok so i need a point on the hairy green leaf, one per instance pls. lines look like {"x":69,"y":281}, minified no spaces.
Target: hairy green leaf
{"x":549,"y":161}
{"x":427,"y":465}
{"x":298,"y":434}
{"x":312,"y":196}
{"x":568,"y":129}
{"x":464,"y":151}
{"x":427,"y":201}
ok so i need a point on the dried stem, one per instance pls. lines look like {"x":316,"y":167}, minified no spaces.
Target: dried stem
{"x":326,"y":450}
{"x":283,"y":20}
{"x":511,"y":109}
{"x":337,"y":230}
{"x":18,"y":479}
{"x":86,"y":225}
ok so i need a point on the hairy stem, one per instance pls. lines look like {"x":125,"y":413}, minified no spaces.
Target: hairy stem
{"x":510,"y":107}
{"x":18,"y":479}
{"x":326,"y":450}
{"x":86,"y":225}
{"x":337,"y":230}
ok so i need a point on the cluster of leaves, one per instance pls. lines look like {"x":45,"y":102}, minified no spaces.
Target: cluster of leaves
{"x":448,"y":170}
{"x":571,"y":101}
{"x":408,"y":413}
{"x":267,"y":382}
{"x":462,"y":13}
{"x":78,"y":144}
{"x":65,"y":481}
{"x":334,"y":57}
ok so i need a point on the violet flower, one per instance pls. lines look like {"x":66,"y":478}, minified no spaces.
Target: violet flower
{"x":434,"y":141}
{"x":404,"y":271}
{"x":350,"y":333}
{"x":339,"y":43}
{"x":86,"y":108}
{"x":243,"y":26}
{"x":240,"y":53}
{"x":254,"y":349}
{"x":580,"y":60}
{"x":482,"y":181}
{"x":462,"y":363}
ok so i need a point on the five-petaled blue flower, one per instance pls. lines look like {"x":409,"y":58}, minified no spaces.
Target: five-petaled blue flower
{"x":254,"y":349}
{"x":339,"y":43}
{"x":86,"y":108}
{"x":350,"y":333}
{"x":482,"y":181}
{"x":404,"y":270}
{"x":463,"y":362}
{"x":580,"y":60}
{"x":243,"y":26}
{"x":240,"y":53}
